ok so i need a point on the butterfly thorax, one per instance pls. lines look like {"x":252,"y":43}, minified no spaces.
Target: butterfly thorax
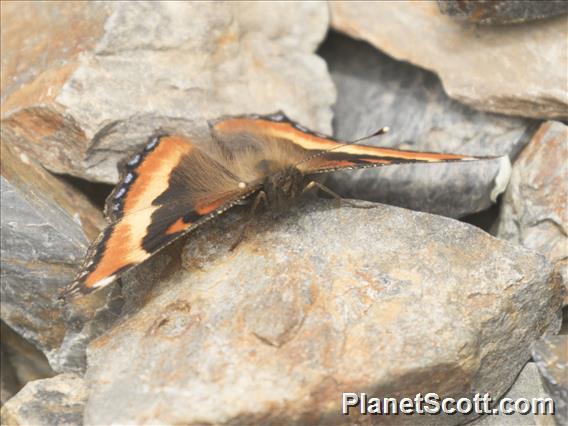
{"x":283,"y":186}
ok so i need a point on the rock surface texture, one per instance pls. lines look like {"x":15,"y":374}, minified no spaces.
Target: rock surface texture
{"x":58,"y":401}
{"x":551,"y":356}
{"x":517,"y":70}
{"x":317,"y":300}
{"x":527,"y":385}
{"x":406,"y":301}
{"x":375,"y":90}
{"x":46,"y":226}
{"x":8,"y":381}
{"x":21,"y":363}
{"x":502,"y":11}
{"x":535,"y":206}
{"x":135,"y":60}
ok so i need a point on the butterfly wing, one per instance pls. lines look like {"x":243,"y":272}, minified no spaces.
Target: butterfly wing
{"x":239,"y":131}
{"x":166,"y":190}
{"x":318,"y":153}
{"x":363,"y":156}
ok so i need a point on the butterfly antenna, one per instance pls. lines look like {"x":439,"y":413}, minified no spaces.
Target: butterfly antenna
{"x":381,"y":131}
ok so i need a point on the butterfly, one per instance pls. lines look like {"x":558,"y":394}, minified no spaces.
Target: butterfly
{"x":174,"y":184}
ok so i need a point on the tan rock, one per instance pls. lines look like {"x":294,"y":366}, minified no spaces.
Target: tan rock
{"x":41,"y":45}
{"x":516,"y":70}
{"x":57,"y":401}
{"x":535,"y":205}
{"x":318,"y":302}
{"x":175,"y":59}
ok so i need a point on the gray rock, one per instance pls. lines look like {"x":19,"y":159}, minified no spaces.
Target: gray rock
{"x":21,"y":363}
{"x":56,"y":401}
{"x":188,"y":60}
{"x":376,"y":90}
{"x":46,"y":227}
{"x":514,"y":70}
{"x":551,"y":356}
{"x":527,"y":385}
{"x":8,"y":381}
{"x":535,"y":205}
{"x":317,"y":302}
{"x":502,"y":11}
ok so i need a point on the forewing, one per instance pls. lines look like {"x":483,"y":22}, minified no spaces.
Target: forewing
{"x":318,"y":153}
{"x":275,"y":127}
{"x":166,"y":190}
{"x":146,"y":175}
{"x":362,"y":156}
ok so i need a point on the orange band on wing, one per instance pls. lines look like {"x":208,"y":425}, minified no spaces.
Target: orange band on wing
{"x":124,"y":245}
{"x":274,"y":129}
{"x":204,"y":209}
{"x":154,"y":172}
{"x":178,"y":226}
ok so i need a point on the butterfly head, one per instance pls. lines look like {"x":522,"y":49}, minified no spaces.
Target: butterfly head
{"x":283,"y":186}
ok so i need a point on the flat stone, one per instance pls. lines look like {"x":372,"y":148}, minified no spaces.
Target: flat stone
{"x":375,"y":90}
{"x":46,"y":227}
{"x":502,"y":11}
{"x":317,"y":302}
{"x":192,"y":60}
{"x":55,"y":401}
{"x":514,"y":70}
{"x":535,"y":206}
{"x":551,"y":356}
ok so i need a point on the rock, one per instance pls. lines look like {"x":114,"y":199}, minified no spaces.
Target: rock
{"x":502,"y":11}
{"x":535,"y":205}
{"x":376,"y":90}
{"x":21,"y":362}
{"x":157,"y":59}
{"x":56,"y":42}
{"x":564,"y":328}
{"x":518,"y":70}
{"x":527,"y":385}
{"x":551,"y":356}
{"x":55,"y":401}
{"x":46,"y":226}
{"x":317,"y":302}
{"x":8,"y":381}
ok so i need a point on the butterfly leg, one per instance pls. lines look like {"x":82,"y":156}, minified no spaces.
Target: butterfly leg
{"x":261,"y":196}
{"x":316,"y":185}
{"x":313,"y":185}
